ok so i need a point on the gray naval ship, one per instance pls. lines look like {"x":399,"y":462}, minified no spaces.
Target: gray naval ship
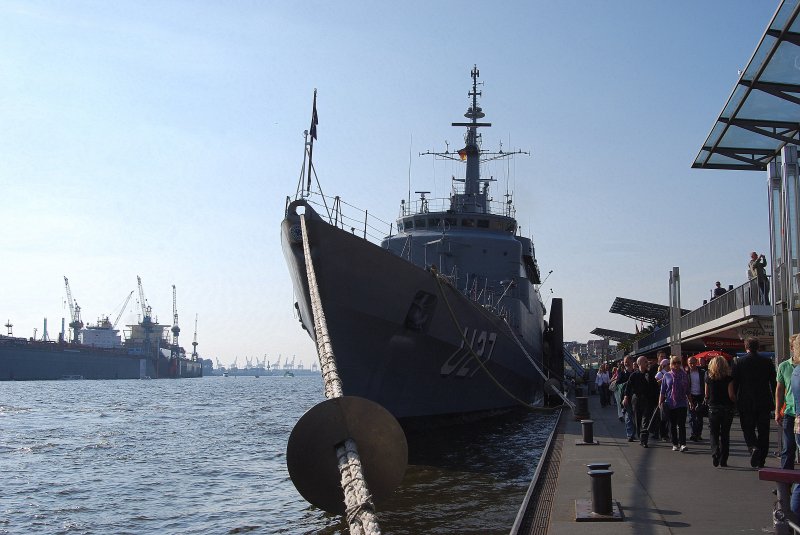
{"x":444,"y":318}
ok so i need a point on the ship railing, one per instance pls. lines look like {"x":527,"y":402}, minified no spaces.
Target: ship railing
{"x":349,"y":217}
{"x":462,"y":205}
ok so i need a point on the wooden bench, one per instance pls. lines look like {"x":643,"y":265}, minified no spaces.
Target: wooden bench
{"x":779,"y":475}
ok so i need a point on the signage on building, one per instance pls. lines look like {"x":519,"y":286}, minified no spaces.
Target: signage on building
{"x":723,"y":343}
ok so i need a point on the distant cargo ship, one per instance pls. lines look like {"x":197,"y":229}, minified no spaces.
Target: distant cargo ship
{"x":101,"y":355}
{"x":99,"y":352}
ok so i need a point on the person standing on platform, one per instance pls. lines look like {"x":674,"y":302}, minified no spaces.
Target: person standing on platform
{"x":718,"y":290}
{"x":675,"y":396}
{"x":756,"y":270}
{"x":697,"y":382}
{"x":602,"y":381}
{"x":754,"y":383}
{"x":785,"y":410}
{"x":720,"y":398}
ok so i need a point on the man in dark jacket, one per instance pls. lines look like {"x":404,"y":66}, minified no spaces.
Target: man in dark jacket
{"x":639,"y":399}
{"x":754,"y":383}
{"x":697,"y":389}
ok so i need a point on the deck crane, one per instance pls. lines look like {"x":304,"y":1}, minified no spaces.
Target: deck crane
{"x":75,"y":314}
{"x":194,"y":342}
{"x":114,"y":326}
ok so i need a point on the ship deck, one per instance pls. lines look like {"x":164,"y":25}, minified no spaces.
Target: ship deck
{"x":659,"y":491}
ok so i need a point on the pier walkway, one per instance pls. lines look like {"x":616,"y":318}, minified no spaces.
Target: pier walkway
{"x":659,"y":491}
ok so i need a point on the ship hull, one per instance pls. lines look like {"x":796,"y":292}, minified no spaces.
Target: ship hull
{"x":21,"y":360}
{"x":404,"y":338}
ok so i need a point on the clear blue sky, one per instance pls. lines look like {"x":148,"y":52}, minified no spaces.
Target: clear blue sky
{"x":161,"y":138}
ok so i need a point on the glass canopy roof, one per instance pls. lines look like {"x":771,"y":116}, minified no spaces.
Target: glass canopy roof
{"x":617,"y":336}
{"x":763,"y":112}
{"x":642,"y":310}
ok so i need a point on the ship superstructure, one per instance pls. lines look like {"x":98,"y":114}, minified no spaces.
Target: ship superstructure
{"x":442,"y":318}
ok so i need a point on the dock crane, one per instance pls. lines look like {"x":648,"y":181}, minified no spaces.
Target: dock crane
{"x":114,"y":326}
{"x":75,"y":314}
{"x":176,"y":331}
{"x":194,"y":342}
{"x":147,"y":323}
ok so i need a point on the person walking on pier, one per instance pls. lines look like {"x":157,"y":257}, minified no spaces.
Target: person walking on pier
{"x":754,"y":383}
{"x":639,"y":399}
{"x":675,"y":396}
{"x":697,"y":381}
{"x":720,"y":398}
{"x":663,"y":414}
{"x":756,"y":270}
{"x":784,"y":399}
{"x":623,"y":375}
{"x":602,"y":381}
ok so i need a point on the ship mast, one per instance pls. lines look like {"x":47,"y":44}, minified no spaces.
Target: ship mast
{"x":474,"y":199}
{"x":472,"y":145}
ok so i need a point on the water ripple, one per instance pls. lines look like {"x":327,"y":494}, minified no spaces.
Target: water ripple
{"x":209,"y":456}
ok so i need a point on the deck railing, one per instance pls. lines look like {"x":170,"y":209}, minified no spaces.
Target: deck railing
{"x":348,"y":217}
{"x":748,"y":294}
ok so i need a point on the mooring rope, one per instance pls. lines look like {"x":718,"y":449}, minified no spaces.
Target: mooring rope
{"x":491,"y":376}
{"x":360,"y":511}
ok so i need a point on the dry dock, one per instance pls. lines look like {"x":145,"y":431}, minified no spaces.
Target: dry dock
{"x":659,"y":491}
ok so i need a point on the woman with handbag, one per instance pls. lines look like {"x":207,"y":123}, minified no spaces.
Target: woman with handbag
{"x":675,"y":396}
{"x":720,"y":398}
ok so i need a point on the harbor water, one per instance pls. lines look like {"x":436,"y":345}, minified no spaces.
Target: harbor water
{"x":209,"y":456}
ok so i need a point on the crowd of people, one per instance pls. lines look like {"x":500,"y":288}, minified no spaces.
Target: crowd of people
{"x":657,"y":401}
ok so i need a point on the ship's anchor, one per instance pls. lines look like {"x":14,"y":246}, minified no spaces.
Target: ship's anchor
{"x":324,"y":463}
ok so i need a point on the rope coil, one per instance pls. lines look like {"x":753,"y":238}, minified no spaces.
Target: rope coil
{"x":360,"y":511}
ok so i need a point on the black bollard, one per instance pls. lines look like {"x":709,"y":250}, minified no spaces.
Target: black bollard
{"x":581,"y":408}
{"x":579,"y":391}
{"x":588,"y":431}
{"x":601,"y":492}
{"x":598,"y":466}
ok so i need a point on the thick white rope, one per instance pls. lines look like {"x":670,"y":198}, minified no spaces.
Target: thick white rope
{"x":360,"y":510}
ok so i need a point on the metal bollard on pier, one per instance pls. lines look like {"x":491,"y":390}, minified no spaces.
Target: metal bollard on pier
{"x":601,"y":507}
{"x":581,"y":410}
{"x":588,"y":434}
{"x":598,"y":466}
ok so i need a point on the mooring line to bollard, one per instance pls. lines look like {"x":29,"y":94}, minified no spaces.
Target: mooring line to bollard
{"x":360,"y":511}
{"x":511,"y":335}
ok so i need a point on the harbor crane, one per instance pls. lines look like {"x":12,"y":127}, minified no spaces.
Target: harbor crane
{"x":127,"y":299}
{"x":147,"y":322}
{"x":75,"y":314}
{"x":175,"y":329}
{"x":194,"y":342}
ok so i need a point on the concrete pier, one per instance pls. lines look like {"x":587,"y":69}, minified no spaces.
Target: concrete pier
{"x":659,"y":491}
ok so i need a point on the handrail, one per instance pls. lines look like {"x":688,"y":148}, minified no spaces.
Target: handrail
{"x":747,"y":294}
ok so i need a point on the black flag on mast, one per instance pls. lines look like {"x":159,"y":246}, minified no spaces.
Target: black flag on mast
{"x":313,"y":132}
{"x":314,"y":119}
